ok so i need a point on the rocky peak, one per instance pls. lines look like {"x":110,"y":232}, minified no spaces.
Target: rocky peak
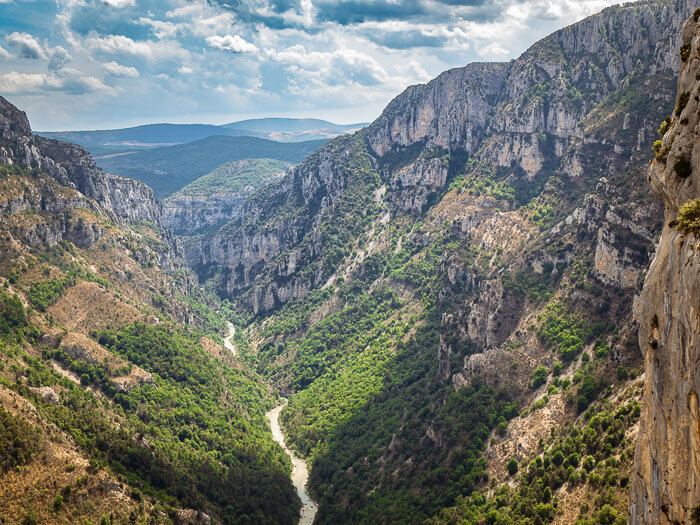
{"x":666,"y":485}
{"x":449,"y":112}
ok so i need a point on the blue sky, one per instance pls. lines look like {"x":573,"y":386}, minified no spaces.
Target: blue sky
{"x":95,"y":64}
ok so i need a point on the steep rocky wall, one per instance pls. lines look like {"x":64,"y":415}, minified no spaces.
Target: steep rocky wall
{"x":72,"y":166}
{"x":123,"y":200}
{"x":520,"y":122}
{"x":666,"y":485}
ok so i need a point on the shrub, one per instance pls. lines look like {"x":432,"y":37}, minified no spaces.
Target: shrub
{"x":696,"y":14}
{"x":689,"y":217}
{"x":58,"y":502}
{"x":685,"y":52}
{"x":557,"y":368}
{"x":682,"y":101}
{"x":665,"y":126}
{"x":512,"y":466}
{"x":558,"y":458}
{"x":658,"y":148}
{"x":539,"y":377}
{"x":573,"y":459}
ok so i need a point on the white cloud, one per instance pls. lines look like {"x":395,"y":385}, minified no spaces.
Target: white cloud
{"x":118,"y":44}
{"x":149,"y":49}
{"x":494,"y":50}
{"x":118,"y":70}
{"x":231,"y":43}
{"x":342,"y":66}
{"x":185,"y":70}
{"x":38,"y":83}
{"x":59,"y":59}
{"x":26,"y":45}
{"x":160,"y":28}
{"x":413,"y":72}
{"x":203,"y":19}
{"x":119,"y":4}
{"x":4,"y":53}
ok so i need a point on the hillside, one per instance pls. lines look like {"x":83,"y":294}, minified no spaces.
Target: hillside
{"x":447,"y":295}
{"x":168,"y":169}
{"x":117,"y":403}
{"x":148,"y":136}
{"x":217,"y":197}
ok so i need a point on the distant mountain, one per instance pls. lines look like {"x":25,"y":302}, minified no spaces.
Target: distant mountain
{"x":155,"y":135}
{"x":294,"y":129}
{"x":148,"y":136}
{"x":167,"y":169}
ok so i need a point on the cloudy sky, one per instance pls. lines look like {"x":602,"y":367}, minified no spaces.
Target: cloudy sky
{"x":95,"y":64}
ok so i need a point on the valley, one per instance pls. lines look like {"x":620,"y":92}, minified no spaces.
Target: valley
{"x":478,"y":308}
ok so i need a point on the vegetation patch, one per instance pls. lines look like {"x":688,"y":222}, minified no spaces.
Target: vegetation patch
{"x":689,"y":217}
{"x":563,"y":331}
{"x":682,"y":102}
{"x":45,"y":293}
{"x":19,"y":441}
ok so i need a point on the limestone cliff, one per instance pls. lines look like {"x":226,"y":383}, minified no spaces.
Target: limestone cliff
{"x":125,"y":201}
{"x":666,"y":485}
{"x":72,"y":166}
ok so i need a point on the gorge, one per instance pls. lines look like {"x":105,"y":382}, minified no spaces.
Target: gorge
{"x":460,"y":313}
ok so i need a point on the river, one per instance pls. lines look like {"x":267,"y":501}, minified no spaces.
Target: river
{"x":227,"y":340}
{"x":300,"y":471}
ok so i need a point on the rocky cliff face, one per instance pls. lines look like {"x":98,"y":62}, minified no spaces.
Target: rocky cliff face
{"x":513,"y":125}
{"x":217,"y":198}
{"x":666,"y":486}
{"x":72,"y":166}
{"x":126,"y":201}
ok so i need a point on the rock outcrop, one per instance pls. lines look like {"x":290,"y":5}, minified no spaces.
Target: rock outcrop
{"x":666,"y":485}
{"x":218,"y":197}
{"x":80,"y":184}
{"x":72,"y":166}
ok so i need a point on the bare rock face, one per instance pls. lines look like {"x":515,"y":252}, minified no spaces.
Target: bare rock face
{"x":72,"y":166}
{"x":82,"y":185}
{"x":666,"y":485}
{"x":521,"y":121}
{"x":449,"y":112}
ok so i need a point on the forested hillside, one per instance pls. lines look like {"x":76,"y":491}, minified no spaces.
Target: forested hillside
{"x":170,"y":168}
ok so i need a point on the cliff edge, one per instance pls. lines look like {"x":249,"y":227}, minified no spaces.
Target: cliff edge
{"x":665,"y":487}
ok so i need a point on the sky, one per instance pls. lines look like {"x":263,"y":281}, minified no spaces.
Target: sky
{"x":102,"y":64}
